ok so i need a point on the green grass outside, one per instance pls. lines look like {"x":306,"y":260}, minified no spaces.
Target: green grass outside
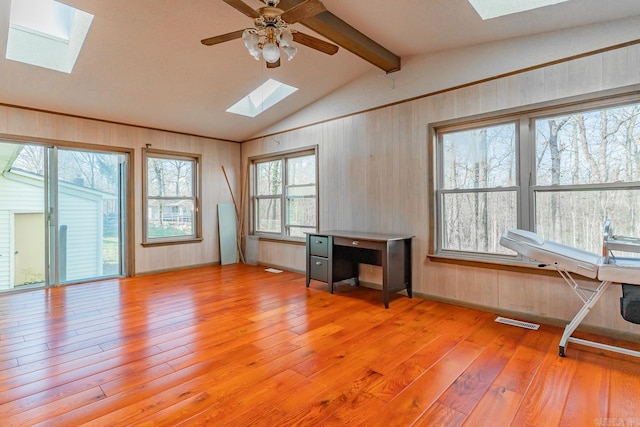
{"x":110,"y":250}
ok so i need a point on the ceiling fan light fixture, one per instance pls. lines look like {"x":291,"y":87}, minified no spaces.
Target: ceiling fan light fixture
{"x":250,"y":38}
{"x":285,"y":38}
{"x":290,"y":51}
{"x":271,"y":52}
{"x":271,"y":34}
{"x":255,"y":52}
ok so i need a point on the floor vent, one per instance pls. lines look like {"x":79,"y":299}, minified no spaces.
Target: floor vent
{"x":518,"y":323}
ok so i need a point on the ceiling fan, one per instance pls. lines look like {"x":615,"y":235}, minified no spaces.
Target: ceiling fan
{"x":271,"y":31}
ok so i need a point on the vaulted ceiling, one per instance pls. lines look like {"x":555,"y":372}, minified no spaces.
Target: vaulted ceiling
{"x":142,"y":62}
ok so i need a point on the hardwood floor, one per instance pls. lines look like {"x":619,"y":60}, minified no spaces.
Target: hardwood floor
{"x":237,"y":346}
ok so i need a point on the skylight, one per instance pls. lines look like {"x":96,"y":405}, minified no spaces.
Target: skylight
{"x":488,"y":9}
{"x":266,"y":95}
{"x":46,"y":33}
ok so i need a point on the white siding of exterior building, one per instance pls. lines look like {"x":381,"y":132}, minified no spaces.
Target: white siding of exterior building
{"x":5,"y":249}
{"x":80,"y":210}
{"x":84,"y":235}
{"x":15,"y":197}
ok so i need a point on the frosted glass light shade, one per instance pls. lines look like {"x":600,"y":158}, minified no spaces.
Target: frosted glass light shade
{"x":290,"y":51}
{"x":271,"y":52}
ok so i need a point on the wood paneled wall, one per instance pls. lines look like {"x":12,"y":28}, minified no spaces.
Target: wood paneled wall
{"x":374,"y":177}
{"x":42,"y":126}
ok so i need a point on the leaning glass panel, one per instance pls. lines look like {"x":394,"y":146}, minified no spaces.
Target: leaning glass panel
{"x":474,"y":222}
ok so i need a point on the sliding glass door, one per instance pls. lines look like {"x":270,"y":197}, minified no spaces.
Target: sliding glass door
{"x":89,"y":192}
{"x":62,"y":215}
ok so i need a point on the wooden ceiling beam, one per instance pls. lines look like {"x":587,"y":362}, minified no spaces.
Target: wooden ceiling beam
{"x":344,"y":35}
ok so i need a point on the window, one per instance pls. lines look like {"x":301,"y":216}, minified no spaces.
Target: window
{"x":478,"y":187}
{"x":559,"y":172}
{"x":285,"y":194}
{"x":171,"y":197}
{"x":587,"y":169}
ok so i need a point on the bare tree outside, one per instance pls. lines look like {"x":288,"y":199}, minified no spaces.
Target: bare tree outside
{"x":286,"y":195}
{"x":170,"y":196}
{"x":301,"y":195}
{"x":598,"y":155}
{"x":585,"y":167}
{"x":269,"y":194}
{"x":30,"y":159}
{"x":478,"y":196}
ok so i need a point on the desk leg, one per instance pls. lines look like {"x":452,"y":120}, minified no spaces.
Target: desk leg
{"x":355,"y":268}
{"x":308,"y":258}
{"x":330,"y":278}
{"x":407,"y":267}
{"x":386,"y":263}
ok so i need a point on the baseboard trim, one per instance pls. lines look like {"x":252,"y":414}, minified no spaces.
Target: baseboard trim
{"x":168,"y":270}
{"x":551,"y":321}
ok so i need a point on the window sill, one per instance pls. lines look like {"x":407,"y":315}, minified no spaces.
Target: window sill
{"x":515,"y":265}
{"x":289,"y":241}
{"x":170,"y":242}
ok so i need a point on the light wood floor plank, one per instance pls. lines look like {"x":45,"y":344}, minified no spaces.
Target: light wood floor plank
{"x":236,"y":345}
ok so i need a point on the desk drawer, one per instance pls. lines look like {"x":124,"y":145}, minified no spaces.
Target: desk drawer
{"x":319,"y":245}
{"x":318,"y":268}
{"x":355,"y":243}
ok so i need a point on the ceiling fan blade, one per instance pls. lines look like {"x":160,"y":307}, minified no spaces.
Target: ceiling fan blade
{"x":303,"y":11}
{"x":274,"y":65}
{"x":243,"y":7}
{"x":222,"y":38}
{"x":335,"y":29}
{"x":314,"y":43}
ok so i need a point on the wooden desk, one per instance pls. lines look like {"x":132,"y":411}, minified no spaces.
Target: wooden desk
{"x":333,"y":256}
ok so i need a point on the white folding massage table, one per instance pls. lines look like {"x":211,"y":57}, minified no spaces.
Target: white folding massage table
{"x":568,"y":260}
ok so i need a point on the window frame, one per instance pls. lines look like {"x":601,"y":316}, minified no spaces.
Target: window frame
{"x":440,"y":192}
{"x":527,"y":188}
{"x":196,"y":183}
{"x":282,"y":156}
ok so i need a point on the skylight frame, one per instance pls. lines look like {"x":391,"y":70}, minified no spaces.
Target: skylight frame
{"x":54,"y":45}
{"x":262,"y":98}
{"x":489,"y":9}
